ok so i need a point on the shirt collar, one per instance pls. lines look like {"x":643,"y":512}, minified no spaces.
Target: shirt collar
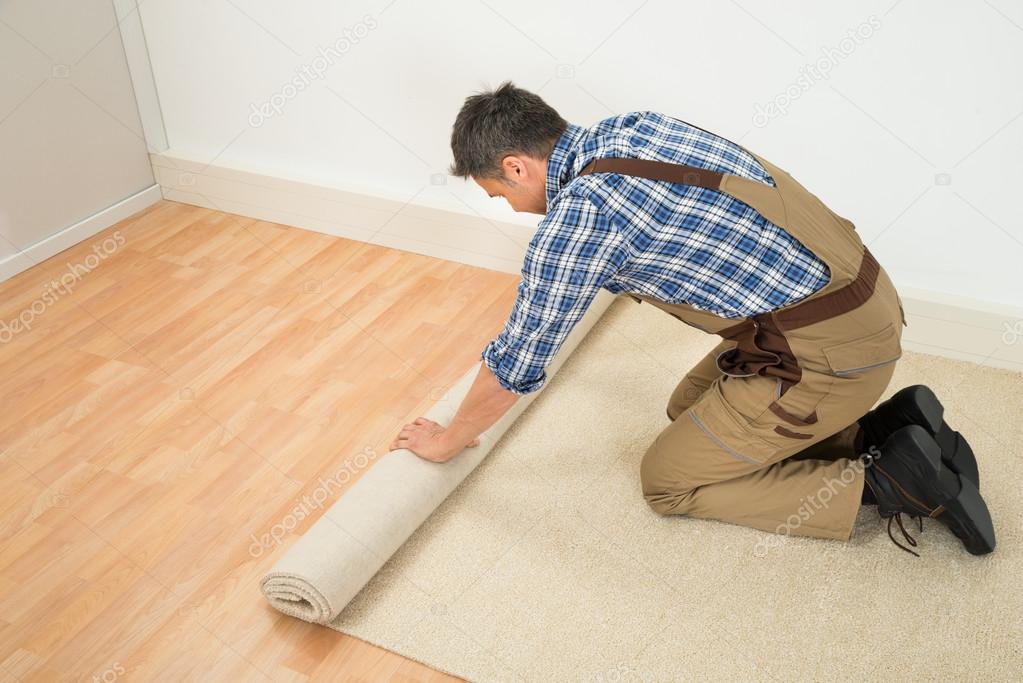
{"x":559,"y":163}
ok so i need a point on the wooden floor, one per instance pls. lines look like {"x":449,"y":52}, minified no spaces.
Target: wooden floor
{"x":173,"y":402}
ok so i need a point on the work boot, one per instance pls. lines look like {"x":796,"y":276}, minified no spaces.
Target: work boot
{"x":918,"y":405}
{"x":909,"y":477}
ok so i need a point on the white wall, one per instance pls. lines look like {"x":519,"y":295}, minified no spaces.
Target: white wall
{"x":915,"y":134}
{"x":70,"y":140}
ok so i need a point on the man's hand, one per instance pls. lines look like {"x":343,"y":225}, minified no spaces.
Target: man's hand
{"x":486,"y":401}
{"x":429,"y":440}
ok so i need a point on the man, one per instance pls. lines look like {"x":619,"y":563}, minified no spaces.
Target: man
{"x":770,"y":430}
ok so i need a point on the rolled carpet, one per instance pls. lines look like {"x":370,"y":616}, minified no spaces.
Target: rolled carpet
{"x":339,"y":554}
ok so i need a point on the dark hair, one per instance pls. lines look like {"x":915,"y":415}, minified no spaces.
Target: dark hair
{"x":493,"y":124}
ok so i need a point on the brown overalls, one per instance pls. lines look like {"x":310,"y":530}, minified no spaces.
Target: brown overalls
{"x":791,"y":382}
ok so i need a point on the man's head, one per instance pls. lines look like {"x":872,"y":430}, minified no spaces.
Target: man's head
{"x":501,"y":139}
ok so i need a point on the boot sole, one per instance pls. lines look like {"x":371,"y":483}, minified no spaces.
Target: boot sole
{"x":966,"y":514}
{"x":961,"y":459}
{"x":970,"y":520}
{"x":930,"y":414}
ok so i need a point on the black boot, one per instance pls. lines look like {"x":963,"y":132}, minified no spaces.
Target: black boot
{"x":909,"y":477}
{"x":918,"y":405}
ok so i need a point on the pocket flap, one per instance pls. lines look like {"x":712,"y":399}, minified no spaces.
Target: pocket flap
{"x":878,"y":348}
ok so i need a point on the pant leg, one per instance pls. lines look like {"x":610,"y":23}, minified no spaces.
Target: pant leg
{"x":699,"y":379}
{"x":724,"y":458}
{"x":841,"y":444}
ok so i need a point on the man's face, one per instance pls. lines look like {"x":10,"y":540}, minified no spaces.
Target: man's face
{"x":524,"y":184}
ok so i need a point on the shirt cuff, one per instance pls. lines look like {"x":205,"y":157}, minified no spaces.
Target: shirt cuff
{"x":521,"y":388}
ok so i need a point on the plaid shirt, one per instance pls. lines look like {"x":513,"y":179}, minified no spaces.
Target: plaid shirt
{"x":676,"y":243}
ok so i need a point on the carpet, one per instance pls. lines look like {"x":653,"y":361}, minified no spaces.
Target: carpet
{"x":546,"y":564}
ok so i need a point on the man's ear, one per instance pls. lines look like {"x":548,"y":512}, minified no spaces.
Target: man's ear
{"x":514,"y":167}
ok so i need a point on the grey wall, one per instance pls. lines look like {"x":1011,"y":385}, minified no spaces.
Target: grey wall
{"x":71,"y":143}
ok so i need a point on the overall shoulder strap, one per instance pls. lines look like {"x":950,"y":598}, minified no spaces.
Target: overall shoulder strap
{"x":655,"y":170}
{"x":761,"y":197}
{"x":831,"y":237}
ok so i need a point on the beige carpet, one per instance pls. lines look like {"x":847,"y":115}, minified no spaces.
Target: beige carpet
{"x":547,"y":565}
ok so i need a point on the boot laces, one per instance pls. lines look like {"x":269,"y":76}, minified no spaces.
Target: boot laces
{"x":868,"y":460}
{"x":897,"y":517}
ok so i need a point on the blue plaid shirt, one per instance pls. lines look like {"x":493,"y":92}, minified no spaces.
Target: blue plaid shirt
{"x":676,"y":243}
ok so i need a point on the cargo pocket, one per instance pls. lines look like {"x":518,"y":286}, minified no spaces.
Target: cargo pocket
{"x":797,"y":407}
{"x":728,"y":428}
{"x":792,"y":417}
{"x":865,"y":353}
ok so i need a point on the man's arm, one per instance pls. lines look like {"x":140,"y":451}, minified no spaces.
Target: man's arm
{"x":573,"y":253}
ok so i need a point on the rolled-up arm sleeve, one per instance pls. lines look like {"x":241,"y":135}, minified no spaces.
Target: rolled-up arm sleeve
{"x":570,"y":257}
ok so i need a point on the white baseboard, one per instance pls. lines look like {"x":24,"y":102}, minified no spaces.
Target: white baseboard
{"x":938,"y":324}
{"x":72,"y":235}
{"x":389,"y":222}
{"x":966,"y":329}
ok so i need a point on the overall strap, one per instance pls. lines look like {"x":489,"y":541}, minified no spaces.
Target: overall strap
{"x":762,"y":347}
{"x":655,"y":170}
{"x":767,"y":200}
{"x":763,"y":198}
